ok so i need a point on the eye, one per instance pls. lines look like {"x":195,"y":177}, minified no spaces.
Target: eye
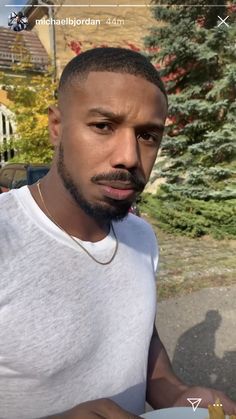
{"x":148,"y":137}
{"x":102,"y":126}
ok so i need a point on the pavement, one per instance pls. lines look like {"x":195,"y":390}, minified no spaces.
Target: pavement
{"x":199,"y":333}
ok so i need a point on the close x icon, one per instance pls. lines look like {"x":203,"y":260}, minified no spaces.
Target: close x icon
{"x":222,"y":21}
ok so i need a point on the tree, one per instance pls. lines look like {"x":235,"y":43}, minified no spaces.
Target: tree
{"x":30,"y":95}
{"x":196,"y":59}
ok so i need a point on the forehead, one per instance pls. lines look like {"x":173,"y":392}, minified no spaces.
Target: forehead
{"x":121,"y":93}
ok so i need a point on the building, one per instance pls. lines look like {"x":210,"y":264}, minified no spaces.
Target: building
{"x":57,"y":31}
{"x":14,"y":47}
{"x":64,"y":29}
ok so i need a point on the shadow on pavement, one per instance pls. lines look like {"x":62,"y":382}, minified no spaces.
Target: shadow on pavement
{"x":195,"y":361}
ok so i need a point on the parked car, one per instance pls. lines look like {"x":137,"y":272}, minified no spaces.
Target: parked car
{"x":15,"y":175}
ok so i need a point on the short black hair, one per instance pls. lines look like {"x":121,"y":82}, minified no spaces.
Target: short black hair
{"x":20,"y":14}
{"x":117,"y":60}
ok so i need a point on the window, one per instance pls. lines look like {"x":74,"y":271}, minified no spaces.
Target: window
{"x":6,"y":177}
{"x":19,"y":178}
{"x":34,"y":174}
{"x":6,"y":132}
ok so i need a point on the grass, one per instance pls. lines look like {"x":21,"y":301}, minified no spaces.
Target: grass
{"x":187,"y":264}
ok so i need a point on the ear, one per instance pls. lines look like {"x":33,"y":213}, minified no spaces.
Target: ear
{"x":54,"y":124}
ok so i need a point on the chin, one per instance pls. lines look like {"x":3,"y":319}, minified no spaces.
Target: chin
{"x":120,"y":217}
{"x":107,"y":212}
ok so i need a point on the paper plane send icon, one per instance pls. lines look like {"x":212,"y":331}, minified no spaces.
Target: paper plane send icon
{"x":195,"y":403}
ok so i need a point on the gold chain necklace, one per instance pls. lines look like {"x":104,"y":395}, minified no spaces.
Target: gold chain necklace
{"x":72,"y":238}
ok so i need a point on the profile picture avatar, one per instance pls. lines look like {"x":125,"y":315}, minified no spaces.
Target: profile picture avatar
{"x":17,"y":21}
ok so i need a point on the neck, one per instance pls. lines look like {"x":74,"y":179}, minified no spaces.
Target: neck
{"x":65,"y":212}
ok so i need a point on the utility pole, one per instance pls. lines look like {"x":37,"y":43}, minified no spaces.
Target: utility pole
{"x":52,"y":34}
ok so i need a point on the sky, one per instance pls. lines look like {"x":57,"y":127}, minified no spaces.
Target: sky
{"x":5,"y":11}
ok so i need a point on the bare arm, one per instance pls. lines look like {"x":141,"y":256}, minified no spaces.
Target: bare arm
{"x":163,"y":386}
{"x":165,"y":389}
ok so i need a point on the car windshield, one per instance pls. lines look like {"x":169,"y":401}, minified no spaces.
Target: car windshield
{"x":36,"y":173}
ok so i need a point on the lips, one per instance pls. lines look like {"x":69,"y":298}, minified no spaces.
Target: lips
{"x":119,"y":185}
{"x":118,"y":190}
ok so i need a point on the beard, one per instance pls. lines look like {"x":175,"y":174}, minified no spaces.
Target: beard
{"x":104,"y":212}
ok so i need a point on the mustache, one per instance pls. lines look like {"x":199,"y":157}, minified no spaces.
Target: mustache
{"x":135,"y":181}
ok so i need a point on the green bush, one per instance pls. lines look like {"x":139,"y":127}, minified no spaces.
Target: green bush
{"x":191,"y":217}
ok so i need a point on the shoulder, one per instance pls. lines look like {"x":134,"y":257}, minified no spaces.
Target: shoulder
{"x":5,"y":199}
{"x":134,"y":222}
{"x":6,"y":204}
{"x":137,"y":234}
{"x":13,"y":220}
{"x":8,"y":208}
{"x":136,"y":229}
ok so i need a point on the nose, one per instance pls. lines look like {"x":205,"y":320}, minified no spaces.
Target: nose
{"x":125,"y":150}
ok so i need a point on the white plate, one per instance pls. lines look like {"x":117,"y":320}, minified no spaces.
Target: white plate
{"x":177,"y":413}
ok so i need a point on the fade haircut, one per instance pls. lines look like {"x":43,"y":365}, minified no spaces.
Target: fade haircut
{"x":116,"y":60}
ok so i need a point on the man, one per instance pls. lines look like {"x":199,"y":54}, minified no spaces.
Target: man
{"x":17,"y":21}
{"x":77,"y":296}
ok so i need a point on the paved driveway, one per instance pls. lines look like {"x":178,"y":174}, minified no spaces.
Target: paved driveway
{"x":199,"y":333}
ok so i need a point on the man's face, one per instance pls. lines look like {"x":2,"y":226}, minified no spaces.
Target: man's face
{"x":110,"y":131}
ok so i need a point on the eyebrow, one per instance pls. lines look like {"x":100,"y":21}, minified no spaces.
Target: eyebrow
{"x":120,"y":118}
{"x":105,"y":112}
